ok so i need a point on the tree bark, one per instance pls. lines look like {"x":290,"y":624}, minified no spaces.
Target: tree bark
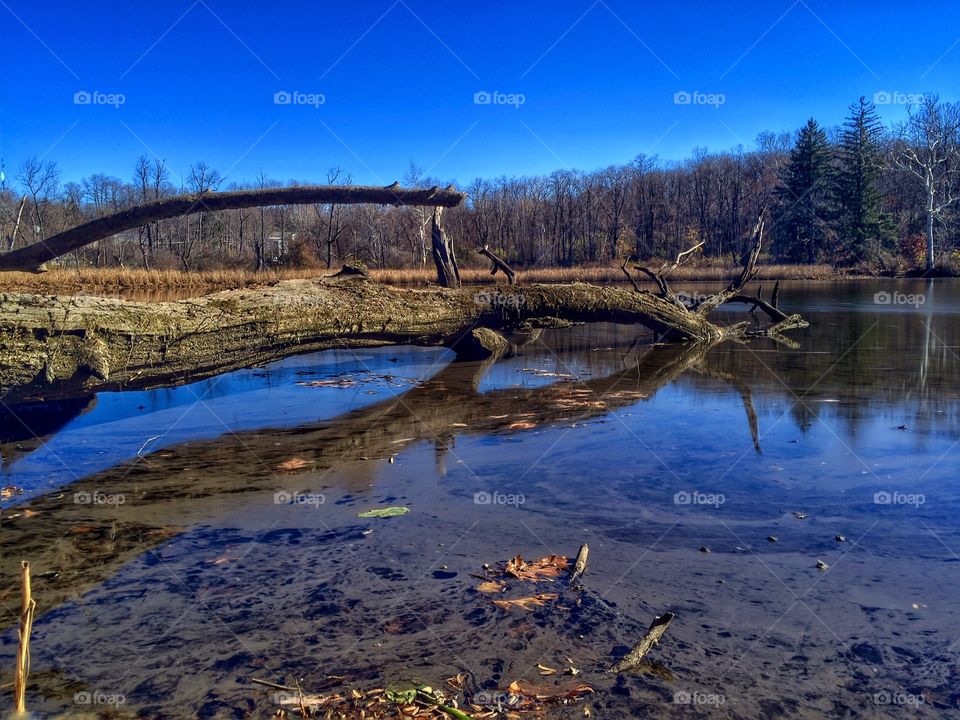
{"x":62,"y":346}
{"x":444,"y":257}
{"x":33,"y":257}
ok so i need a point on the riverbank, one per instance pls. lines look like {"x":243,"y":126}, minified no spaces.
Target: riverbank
{"x":124,"y":281}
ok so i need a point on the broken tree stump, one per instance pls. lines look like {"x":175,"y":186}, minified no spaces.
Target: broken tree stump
{"x":444,"y":257}
{"x":656,"y":630}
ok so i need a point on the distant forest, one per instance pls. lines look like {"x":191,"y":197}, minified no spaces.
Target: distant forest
{"x":863,"y":195}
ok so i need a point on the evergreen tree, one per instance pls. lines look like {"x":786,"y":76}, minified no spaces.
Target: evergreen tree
{"x":857,"y":185}
{"x":803,"y":198}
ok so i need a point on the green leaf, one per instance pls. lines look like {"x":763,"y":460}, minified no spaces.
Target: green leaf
{"x":384,"y":512}
{"x":401,"y":697}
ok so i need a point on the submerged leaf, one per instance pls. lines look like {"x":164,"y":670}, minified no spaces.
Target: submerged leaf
{"x":527,"y":603}
{"x":384,"y":512}
{"x":292,"y":464}
{"x":490,"y":586}
{"x":549,"y":567}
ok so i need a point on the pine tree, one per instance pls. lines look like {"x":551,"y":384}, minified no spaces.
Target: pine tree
{"x":857,"y":185}
{"x":803,"y":198}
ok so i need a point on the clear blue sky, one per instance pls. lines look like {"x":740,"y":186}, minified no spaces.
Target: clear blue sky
{"x":398,"y":80}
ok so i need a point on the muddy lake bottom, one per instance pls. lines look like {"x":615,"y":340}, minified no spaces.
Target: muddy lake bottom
{"x":185,"y":541}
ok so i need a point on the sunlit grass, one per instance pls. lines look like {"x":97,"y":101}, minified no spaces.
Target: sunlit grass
{"x":105,"y":280}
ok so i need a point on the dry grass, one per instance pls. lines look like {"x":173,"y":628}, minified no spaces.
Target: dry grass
{"x":608,"y":274}
{"x":143,"y":283}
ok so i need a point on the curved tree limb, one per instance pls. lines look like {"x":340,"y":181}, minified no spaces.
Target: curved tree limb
{"x":32,"y":257}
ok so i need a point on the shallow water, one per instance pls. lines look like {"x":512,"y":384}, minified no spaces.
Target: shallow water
{"x":170,"y":572}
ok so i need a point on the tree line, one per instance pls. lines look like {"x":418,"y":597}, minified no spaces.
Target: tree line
{"x":862,"y":195}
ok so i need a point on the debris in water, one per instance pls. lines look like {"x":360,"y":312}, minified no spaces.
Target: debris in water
{"x":526,"y":603}
{"x":384,"y":512}
{"x":544,"y":569}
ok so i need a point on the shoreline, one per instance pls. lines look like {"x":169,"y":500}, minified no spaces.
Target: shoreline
{"x":194,"y":282}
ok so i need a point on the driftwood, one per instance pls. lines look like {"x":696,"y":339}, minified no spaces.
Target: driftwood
{"x":580,"y":565}
{"x":54,"y":347}
{"x":733,"y":293}
{"x":498,"y":264}
{"x":33,"y":257}
{"x":27,"y":607}
{"x":656,"y":630}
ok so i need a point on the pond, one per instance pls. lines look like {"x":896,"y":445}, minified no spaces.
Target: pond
{"x":794,"y":505}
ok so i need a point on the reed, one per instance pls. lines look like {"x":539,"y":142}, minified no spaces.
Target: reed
{"x":101,"y":281}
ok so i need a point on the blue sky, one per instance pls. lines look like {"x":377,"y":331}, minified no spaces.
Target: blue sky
{"x":398,"y":80}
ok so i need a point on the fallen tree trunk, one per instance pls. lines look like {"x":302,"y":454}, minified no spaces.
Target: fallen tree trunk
{"x":61,"y":346}
{"x":32,"y":257}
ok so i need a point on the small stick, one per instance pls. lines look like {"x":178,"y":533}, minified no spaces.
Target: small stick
{"x":275,"y":686}
{"x":656,"y":630}
{"x":580,"y":566}
{"x":23,"y":649}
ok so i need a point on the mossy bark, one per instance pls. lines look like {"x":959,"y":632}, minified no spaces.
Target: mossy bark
{"x":54,"y":346}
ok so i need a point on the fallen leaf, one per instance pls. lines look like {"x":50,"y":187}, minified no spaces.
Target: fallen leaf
{"x":384,"y":512}
{"x":544,"y":670}
{"x":549,"y":567}
{"x":527,"y":603}
{"x":9,"y":491}
{"x":27,"y":513}
{"x":521,"y":425}
{"x":292,"y":464}
{"x":490,"y":586}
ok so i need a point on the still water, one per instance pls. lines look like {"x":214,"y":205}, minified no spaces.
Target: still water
{"x":185,"y":541}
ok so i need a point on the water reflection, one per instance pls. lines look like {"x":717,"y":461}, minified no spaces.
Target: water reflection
{"x":194,"y":582}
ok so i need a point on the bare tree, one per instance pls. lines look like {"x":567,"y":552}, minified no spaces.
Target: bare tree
{"x":330,"y":216}
{"x":41,"y":181}
{"x":929,"y":148}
